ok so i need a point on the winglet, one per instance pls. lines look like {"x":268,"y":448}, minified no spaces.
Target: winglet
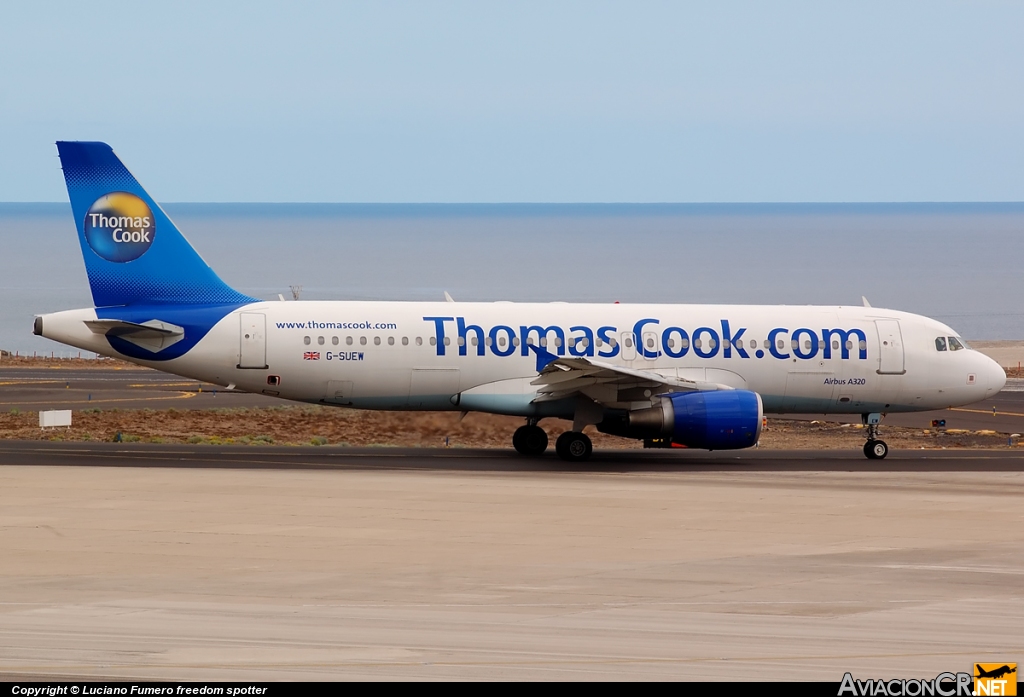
{"x":544,"y":357}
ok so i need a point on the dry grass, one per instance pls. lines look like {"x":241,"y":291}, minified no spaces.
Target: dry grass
{"x":314,"y":425}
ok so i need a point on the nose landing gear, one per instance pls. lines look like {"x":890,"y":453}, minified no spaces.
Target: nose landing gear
{"x":875,"y":448}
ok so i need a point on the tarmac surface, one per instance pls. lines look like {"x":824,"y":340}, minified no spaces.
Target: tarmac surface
{"x":252,"y":563}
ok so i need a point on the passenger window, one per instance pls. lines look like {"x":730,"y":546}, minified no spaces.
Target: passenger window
{"x":807,"y":345}
{"x":558,"y":341}
{"x":419,"y":341}
{"x":583,"y":342}
{"x":598,"y":343}
{"x":782,"y":344}
{"x":863,"y":345}
{"x":462,"y":341}
{"x":794,"y":343}
{"x":391,"y":341}
{"x":334,"y":340}
{"x":725,"y":343}
{"x":767,"y":344}
{"x":697,"y":343}
{"x":501,"y":341}
{"x":447,"y":341}
{"x":650,"y":342}
{"x":320,"y":340}
{"x":405,"y":341}
{"x":488,"y":341}
{"x":671,"y":343}
{"x":473,"y":341}
{"x":306,"y":340}
{"x":954,"y":344}
{"x":348,"y":340}
{"x":515,"y":341}
{"x":362,"y":341}
{"x":753,"y":343}
{"x":543,"y":341}
{"x":433,"y":341}
{"x":684,"y":343}
{"x":835,"y":345}
{"x":629,"y":342}
{"x":849,"y":345}
{"x":711,"y":343}
{"x":940,"y":343}
{"x":613,"y":343}
{"x":376,"y":341}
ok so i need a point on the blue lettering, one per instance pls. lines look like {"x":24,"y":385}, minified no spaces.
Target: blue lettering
{"x":638,"y":330}
{"x":542,"y":334}
{"x":772,"y":343}
{"x":609,"y":341}
{"x":574,"y":342}
{"x":439,"y":330}
{"x":464,"y":329}
{"x":844,"y":336}
{"x":712,"y":350}
{"x":684,"y":342}
{"x":732,"y":341}
{"x":812,"y":351}
{"x":509,"y":349}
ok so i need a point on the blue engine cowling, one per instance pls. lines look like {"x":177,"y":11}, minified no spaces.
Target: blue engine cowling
{"x":720,"y":420}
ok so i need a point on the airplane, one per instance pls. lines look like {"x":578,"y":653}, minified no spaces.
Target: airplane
{"x":696,"y":376}
{"x":995,"y":673}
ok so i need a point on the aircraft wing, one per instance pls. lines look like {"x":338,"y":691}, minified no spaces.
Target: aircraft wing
{"x":605,"y":383}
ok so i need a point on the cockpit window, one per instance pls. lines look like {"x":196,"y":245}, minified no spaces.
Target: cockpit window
{"x":940,"y":343}
{"x":955,"y":344}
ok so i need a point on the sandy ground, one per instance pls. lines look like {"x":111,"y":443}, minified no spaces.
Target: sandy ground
{"x":249,"y":574}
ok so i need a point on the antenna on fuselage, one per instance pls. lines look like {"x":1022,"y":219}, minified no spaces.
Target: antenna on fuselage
{"x":448,"y":298}
{"x":865,"y":301}
{"x":296,"y":291}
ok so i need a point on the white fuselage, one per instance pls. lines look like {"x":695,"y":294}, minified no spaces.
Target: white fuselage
{"x":411,"y":355}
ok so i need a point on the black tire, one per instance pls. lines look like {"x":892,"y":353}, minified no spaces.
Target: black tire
{"x":531,"y":441}
{"x":573,"y":446}
{"x":876,"y":449}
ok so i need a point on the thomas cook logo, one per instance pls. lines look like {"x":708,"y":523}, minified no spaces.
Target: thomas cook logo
{"x":119,"y":227}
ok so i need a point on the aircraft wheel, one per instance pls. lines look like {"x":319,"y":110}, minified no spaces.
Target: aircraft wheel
{"x":876,"y":449}
{"x":574,"y":446}
{"x":530,"y":441}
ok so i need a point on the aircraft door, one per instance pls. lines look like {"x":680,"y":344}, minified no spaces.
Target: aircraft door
{"x":890,"y":347}
{"x":252,"y":352}
{"x":628,"y":341}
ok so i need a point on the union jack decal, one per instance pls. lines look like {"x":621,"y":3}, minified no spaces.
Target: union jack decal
{"x":311,"y":356}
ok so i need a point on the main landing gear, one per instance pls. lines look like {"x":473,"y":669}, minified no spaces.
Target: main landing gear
{"x":532,"y":441}
{"x":875,"y":448}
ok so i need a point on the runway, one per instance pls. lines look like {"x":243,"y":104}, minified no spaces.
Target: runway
{"x":37,"y":389}
{"x":203,"y":562}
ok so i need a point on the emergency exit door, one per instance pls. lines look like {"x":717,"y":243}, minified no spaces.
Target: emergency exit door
{"x":252,"y":352}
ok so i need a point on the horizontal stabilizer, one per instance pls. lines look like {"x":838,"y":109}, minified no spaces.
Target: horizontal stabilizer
{"x":153,"y":335}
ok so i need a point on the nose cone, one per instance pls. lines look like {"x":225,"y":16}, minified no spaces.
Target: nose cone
{"x":991,"y":376}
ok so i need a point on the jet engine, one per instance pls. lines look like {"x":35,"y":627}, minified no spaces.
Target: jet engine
{"x":720,"y":420}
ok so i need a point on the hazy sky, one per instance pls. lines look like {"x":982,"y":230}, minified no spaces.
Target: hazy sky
{"x":546,"y":101}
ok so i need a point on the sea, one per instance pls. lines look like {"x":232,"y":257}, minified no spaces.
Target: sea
{"x":956,"y":262}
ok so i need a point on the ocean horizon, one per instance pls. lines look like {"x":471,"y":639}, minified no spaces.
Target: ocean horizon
{"x":955,"y":262}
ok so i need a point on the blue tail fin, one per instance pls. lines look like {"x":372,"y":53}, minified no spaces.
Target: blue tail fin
{"x":133,"y":252}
